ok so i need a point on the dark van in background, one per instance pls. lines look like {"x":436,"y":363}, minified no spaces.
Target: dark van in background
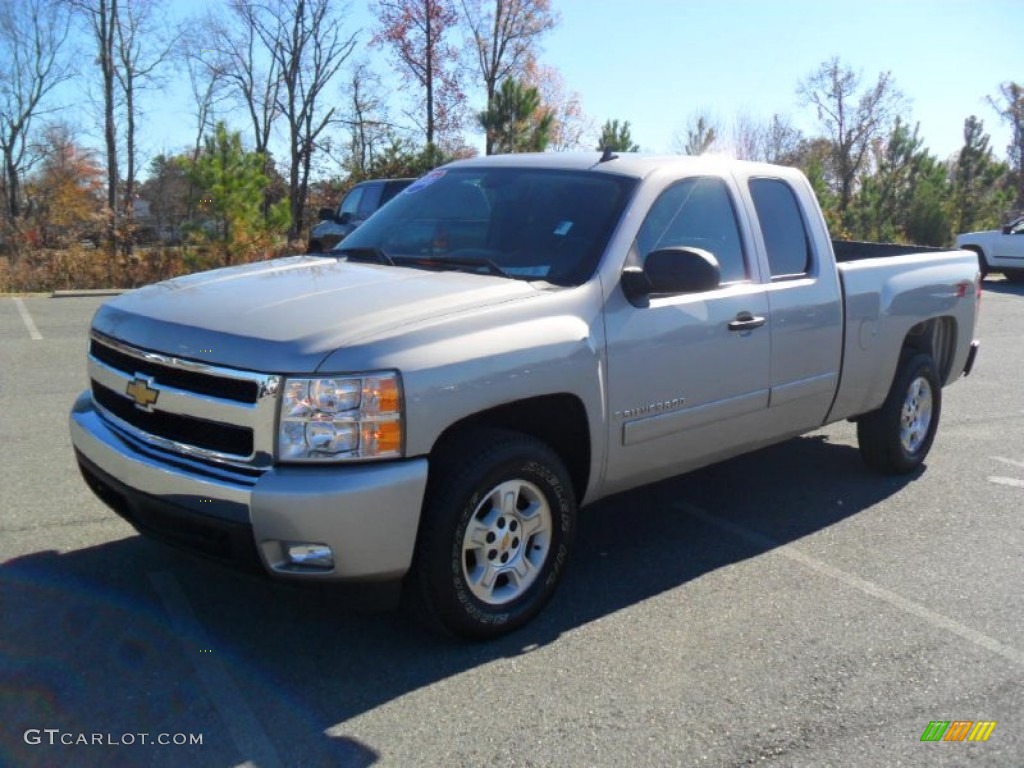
{"x":355,"y":208}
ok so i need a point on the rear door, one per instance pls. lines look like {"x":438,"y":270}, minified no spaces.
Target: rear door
{"x":804,"y":302}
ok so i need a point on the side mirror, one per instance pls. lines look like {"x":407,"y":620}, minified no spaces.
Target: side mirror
{"x":671,"y":270}
{"x":1007,"y":230}
{"x":345,"y":218}
{"x":326,"y":214}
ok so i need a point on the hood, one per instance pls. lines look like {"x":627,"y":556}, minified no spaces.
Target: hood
{"x":286,"y":315}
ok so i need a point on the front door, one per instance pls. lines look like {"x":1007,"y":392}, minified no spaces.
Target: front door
{"x":688,"y":374}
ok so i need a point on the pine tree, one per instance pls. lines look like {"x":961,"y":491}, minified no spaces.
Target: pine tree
{"x":616,"y":137}
{"x":232,"y":184}
{"x":517,"y":121}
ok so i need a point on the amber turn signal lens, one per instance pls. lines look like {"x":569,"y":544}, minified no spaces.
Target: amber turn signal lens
{"x":380,"y":395}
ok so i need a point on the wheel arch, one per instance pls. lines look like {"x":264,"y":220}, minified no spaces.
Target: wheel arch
{"x":983,"y":263}
{"x":558,"y":420}
{"x":936,"y":337}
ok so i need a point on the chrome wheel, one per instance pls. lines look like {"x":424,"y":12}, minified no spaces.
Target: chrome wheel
{"x":916,"y":415}
{"x":506,"y":542}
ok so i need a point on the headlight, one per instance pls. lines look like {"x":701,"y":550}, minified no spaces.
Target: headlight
{"x":338,"y":418}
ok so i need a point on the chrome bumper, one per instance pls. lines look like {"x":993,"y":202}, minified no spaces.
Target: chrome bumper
{"x":368,"y":513}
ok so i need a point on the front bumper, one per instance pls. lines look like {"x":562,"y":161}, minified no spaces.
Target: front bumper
{"x":367,"y":513}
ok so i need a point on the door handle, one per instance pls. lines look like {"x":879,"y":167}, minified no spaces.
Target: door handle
{"x":746,"y":322}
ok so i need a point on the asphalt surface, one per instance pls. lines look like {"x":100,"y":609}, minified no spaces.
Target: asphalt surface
{"x":788,"y":608}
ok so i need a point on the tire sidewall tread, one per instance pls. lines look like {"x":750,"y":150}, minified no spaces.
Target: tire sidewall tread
{"x":878,"y":432}
{"x":459,"y":479}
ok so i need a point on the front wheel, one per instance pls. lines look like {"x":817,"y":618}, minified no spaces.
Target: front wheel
{"x":497,"y":528}
{"x":896,"y":438}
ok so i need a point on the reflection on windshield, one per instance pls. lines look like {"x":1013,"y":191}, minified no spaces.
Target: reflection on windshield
{"x":523,"y":223}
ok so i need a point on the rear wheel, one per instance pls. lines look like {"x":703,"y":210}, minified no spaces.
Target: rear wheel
{"x":497,"y":528}
{"x":896,"y":438}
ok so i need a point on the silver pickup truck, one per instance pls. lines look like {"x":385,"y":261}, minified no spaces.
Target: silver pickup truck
{"x":511,"y":338}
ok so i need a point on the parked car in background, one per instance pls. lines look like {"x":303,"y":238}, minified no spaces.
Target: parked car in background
{"x":355,"y":208}
{"x":999,"y":250}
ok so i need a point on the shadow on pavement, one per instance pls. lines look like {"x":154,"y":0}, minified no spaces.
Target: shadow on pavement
{"x":998,"y":284}
{"x":87,"y":644}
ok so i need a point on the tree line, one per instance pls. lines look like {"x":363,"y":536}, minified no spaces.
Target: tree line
{"x":292,"y":70}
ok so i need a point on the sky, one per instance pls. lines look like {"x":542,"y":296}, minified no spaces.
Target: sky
{"x":655,"y":63}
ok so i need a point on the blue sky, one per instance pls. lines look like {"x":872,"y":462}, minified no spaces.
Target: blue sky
{"x":656,"y":62}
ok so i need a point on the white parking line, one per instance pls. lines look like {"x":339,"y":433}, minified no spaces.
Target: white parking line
{"x":1011,"y":462}
{"x":246,"y":732}
{"x":26,"y":318}
{"x":1013,"y":482}
{"x":863,"y":585}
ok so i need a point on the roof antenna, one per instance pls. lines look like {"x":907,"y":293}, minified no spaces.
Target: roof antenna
{"x":607,"y":155}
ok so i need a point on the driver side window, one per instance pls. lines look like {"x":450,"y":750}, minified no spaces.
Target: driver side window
{"x":351,"y":202}
{"x":696,"y":213}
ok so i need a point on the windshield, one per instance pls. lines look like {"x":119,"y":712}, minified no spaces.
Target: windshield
{"x":522,"y":223}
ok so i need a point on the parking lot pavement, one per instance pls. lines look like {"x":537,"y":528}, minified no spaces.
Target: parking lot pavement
{"x":785,"y":608}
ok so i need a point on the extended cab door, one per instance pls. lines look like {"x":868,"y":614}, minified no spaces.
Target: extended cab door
{"x":804,"y":302}
{"x":687,"y":374}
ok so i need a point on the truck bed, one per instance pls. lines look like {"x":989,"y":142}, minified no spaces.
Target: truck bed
{"x":853,"y":250}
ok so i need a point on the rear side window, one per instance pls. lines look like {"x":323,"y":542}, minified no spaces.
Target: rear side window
{"x":785,"y":235}
{"x":392,"y":188}
{"x":696,"y":213}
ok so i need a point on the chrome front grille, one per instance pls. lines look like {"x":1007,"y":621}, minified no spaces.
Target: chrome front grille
{"x":205,"y":412}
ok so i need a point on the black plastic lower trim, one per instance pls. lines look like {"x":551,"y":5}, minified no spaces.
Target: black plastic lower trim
{"x":171,"y":521}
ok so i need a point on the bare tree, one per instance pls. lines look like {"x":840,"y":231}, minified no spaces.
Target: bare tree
{"x":100,"y":16}
{"x":1010,"y":106}
{"x":571,"y":127}
{"x":304,"y":38}
{"x":32,"y":37}
{"x":776,"y":141}
{"x":370,"y":129}
{"x":236,"y":51}
{"x":747,"y":137}
{"x":141,"y":45}
{"x":209,"y":85}
{"x":781,"y":141}
{"x":417,"y":32}
{"x":852,"y":118}
{"x":504,"y":36}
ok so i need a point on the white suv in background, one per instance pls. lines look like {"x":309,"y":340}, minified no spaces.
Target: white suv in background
{"x":999,"y":250}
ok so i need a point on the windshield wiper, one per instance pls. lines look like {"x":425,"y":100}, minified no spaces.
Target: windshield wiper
{"x":378,"y":255}
{"x":455,"y":262}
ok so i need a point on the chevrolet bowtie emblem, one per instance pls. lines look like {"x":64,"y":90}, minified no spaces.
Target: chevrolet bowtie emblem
{"x":142,"y":393}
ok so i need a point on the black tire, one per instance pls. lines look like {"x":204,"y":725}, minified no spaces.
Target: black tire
{"x":884,"y":445}
{"x":447,"y":578}
{"x":1014,"y":275}
{"x":314,"y":247}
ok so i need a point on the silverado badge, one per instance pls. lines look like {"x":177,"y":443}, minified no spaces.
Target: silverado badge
{"x":142,"y":393}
